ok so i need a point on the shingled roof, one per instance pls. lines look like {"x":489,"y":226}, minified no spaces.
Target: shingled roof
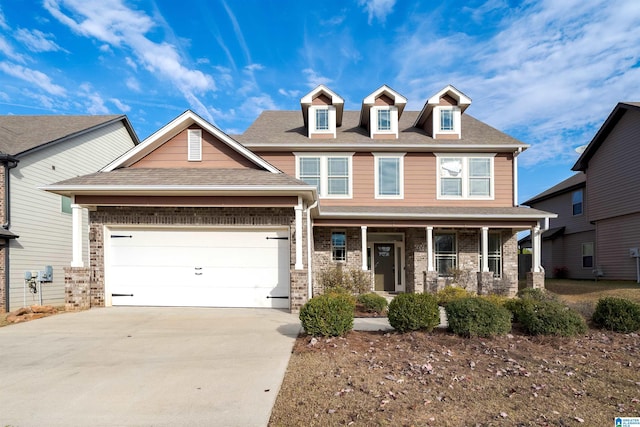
{"x":574,"y":182}
{"x":285,"y":129}
{"x":21,"y":134}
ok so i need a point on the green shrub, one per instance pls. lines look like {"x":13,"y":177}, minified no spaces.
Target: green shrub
{"x":477,"y":317}
{"x":451,"y":293}
{"x":372,"y":302}
{"x":537,"y":294}
{"x":499,"y":300}
{"x":412,"y":312}
{"x":617,"y":314}
{"x":550,"y":318}
{"x":516,"y":306}
{"x":328,"y":315}
{"x":339,"y":279}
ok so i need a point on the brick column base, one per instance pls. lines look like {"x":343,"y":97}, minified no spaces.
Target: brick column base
{"x":77,"y":288}
{"x":299,"y":290}
{"x":485,"y":283}
{"x":431,"y":281}
{"x":535,"y":279}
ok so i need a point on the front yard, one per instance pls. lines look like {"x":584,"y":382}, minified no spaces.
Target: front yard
{"x":440,"y":379}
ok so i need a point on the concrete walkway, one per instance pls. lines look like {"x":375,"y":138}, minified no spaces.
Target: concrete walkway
{"x":145,"y":367}
{"x":382,"y":323}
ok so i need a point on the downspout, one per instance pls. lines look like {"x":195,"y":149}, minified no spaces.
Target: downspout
{"x":9,"y":163}
{"x":515,"y":175}
{"x":309,"y":240}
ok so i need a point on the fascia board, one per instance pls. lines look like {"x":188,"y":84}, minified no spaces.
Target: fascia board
{"x":360,"y":215}
{"x":311,"y":146}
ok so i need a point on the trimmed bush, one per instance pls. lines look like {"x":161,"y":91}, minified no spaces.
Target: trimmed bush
{"x":373,"y":303}
{"x":451,"y":293}
{"x":537,"y":294}
{"x":477,"y":317}
{"x":412,"y":312}
{"x":499,"y":300}
{"x":550,"y":318}
{"x":343,"y":280}
{"x":516,"y":306}
{"x":328,"y":315}
{"x":617,"y":314}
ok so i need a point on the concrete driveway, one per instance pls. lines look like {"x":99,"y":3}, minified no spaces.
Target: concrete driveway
{"x":145,"y":367}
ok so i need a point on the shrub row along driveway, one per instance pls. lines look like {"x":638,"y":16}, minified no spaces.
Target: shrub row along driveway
{"x":145,"y":366}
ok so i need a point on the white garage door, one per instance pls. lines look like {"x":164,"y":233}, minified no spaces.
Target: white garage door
{"x":201,"y":268}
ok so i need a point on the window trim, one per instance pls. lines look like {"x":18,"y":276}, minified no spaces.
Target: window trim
{"x":465,"y":190}
{"x":393,"y":121}
{"x":437,"y":120}
{"x":574,"y":204}
{"x":331,"y":120}
{"x":324,"y":172}
{"x":333,"y":258}
{"x":376,"y":167}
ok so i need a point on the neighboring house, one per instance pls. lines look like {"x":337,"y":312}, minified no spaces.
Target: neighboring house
{"x":36,"y":231}
{"x":568,"y":246}
{"x":195,"y":217}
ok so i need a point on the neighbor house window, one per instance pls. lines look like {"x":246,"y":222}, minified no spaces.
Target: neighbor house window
{"x":322,"y":119}
{"x":389,"y":175}
{"x":384,"y":119}
{"x":446,"y":254}
{"x":576,"y":202}
{"x":465,"y":176}
{"x":587,"y":255}
{"x":494,"y":255}
{"x":446,"y":120}
{"x":65,"y":204}
{"x":330,"y":173}
{"x":339,"y":246}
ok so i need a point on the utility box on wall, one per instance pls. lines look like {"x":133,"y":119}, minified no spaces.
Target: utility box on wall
{"x":634,"y":252}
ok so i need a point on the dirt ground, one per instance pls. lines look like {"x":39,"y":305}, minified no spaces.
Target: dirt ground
{"x":439,"y":379}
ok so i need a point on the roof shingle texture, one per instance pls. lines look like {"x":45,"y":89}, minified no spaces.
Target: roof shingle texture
{"x":569,"y":183}
{"x":139,"y":177}
{"x":286,"y":128}
{"x":23,"y":133}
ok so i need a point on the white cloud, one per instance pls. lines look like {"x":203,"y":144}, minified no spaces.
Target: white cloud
{"x":378,"y":9}
{"x":238,"y":31}
{"x":35,"y":77}
{"x":92,"y":101}
{"x":3,"y":21}
{"x":8,"y":50}
{"x":120,"y":105}
{"x":112,"y":22}
{"x":289,"y":93}
{"x":314,"y":79}
{"x":37,"y":41}
{"x":133,"y":84}
{"x":254,"y":105}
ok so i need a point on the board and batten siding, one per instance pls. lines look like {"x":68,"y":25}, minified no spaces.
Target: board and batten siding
{"x":37,"y":217}
{"x":613,"y":175}
{"x":420,"y":181}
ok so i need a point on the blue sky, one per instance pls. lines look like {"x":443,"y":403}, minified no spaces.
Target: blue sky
{"x":545,"y":72}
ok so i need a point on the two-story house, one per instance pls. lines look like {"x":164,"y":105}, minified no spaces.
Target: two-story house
{"x":601,"y":212}
{"x":568,"y":245}
{"x":193,"y":216}
{"x":36,"y":226}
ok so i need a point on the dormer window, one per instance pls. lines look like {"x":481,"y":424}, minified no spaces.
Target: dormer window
{"x":446,"y":120}
{"x":381,"y":111}
{"x":384,"y":119}
{"x":441,"y":116}
{"x":322,"y":119}
{"x":322,"y":112}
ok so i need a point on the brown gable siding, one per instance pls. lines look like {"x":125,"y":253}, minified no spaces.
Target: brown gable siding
{"x":215,"y":154}
{"x":321,"y":99}
{"x":419,"y":181}
{"x":447,"y":101}
{"x":383,"y":100}
{"x":613,"y":174}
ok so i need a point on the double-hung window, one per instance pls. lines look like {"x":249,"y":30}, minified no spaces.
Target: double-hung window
{"x":446,"y":253}
{"x":495,"y":254}
{"x":330,"y":173}
{"x":465,"y":176}
{"x":338,"y":246}
{"x":576,"y":202}
{"x":587,"y":255}
{"x":389,"y":175}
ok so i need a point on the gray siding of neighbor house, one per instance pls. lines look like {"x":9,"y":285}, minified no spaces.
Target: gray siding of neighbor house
{"x":613,"y":175}
{"x":561,"y":205}
{"x":37,"y":217}
{"x":615,"y":236}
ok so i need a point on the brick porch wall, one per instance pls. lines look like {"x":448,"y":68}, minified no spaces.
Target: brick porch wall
{"x":115,"y":216}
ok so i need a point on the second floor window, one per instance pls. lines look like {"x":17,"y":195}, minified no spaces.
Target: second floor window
{"x":322,"y":119}
{"x":465,"y":177}
{"x":576,"y":202}
{"x":331,"y":174}
{"x":384,"y":119}
{"x":389,"y":175}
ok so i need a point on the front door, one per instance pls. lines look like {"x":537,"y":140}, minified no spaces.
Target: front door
{"x":384,"y":266}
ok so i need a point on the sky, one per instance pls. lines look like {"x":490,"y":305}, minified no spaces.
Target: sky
{"x":545,"y":72}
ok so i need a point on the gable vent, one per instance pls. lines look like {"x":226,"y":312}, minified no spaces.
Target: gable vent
{"x":195,"y":145}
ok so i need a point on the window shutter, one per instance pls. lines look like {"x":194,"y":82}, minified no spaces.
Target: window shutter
{"x":195,"y":145}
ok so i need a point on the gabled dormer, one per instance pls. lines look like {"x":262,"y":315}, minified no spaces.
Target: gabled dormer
{"x":441,"y":115}
{"x":381,"y":111}
{"x":322,"y":112}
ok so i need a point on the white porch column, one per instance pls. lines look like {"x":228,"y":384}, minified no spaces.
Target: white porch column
{"x":76,"y":235}
{"x":363,"y":232}
{"x":536,"y":249}
{"x":430,"y":266}
{"x":485,"y":249}
{"x":298,"y":242}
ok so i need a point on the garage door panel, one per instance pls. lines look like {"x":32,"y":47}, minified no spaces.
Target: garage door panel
{"x":232,"y":268}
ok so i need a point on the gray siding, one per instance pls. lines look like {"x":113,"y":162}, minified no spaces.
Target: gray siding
{"x":561,"y":205}
{"x":36,"y":216}
{"x":614,"y":238}
{"x":613,"y":175}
